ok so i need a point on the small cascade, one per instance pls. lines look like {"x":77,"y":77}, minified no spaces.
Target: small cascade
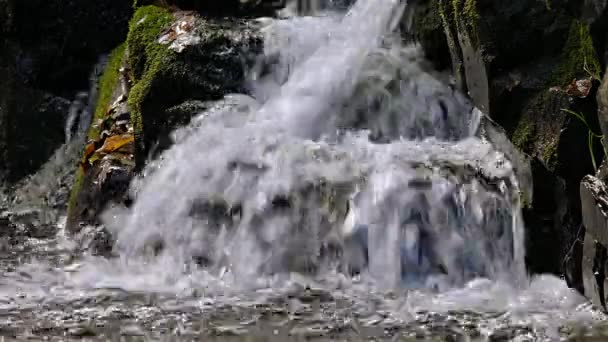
{"x":351,"y":156}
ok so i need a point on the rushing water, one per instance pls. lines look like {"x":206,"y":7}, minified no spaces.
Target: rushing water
{"x":348,"y":199}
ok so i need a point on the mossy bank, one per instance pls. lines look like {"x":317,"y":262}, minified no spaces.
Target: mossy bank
{"x":162,"y":80}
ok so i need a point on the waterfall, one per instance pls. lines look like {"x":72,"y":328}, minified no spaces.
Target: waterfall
{"x":350,"y":145}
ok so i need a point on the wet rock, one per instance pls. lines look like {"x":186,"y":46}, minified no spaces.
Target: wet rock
{"x":34,"y":129}
{"x":176,"y":63}
{"x":57,"y":53}
{"x":425,"y":27}
{"x":207,"y":69}
{"x":232,"y":8}
{"x":526,"y":93}
{"x":543,"y":201}
{"x":602,"y":103}
{"x":594,"y":199}
{"x":42,"y":66}
{"x":497,"y":136}
{"x":95,"y":240}
{"x":83,"y":331}
{"x":593,"y":270}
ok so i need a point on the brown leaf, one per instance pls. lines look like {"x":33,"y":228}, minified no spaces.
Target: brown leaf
{"x":115,"y":142}
{"x":88,"y":152}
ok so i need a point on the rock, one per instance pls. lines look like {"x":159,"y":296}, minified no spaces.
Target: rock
{"x":426,"y":28}
{"x":226,"y":8}
{"x":542,"y":199}
{"x":496,"y":135}
{"x":593,"y":269}
{"x":594,"y":198}
{"x":165,"y":77}
{"x":35,"y":123}
{"x":61,"y":58}
{"x":527,"y":93}
{"x":602,"y":104}
{"x":42,"y":72}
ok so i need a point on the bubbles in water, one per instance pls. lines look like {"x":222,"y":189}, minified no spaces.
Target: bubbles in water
{"x":263,"y":187}
{"x":350,"y":158}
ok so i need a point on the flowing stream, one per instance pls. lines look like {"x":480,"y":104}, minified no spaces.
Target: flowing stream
{"x":349,"y":198}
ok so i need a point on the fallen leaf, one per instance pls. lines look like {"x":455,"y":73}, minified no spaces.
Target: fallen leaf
{"x":115,"y":142}
{"x":89,"y":149}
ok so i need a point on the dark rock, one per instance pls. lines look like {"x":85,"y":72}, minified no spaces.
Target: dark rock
{"x":593,"y":269}
{"x":496,"y":135}
{"x":542,"y":198}
{"x":170,"y":82}
{"x":95,"y":240}
{"x":602,"y":104}
{"x":46,"y":58}
{"x":54,"y":37}
{"x":594,"y":200}
{"x":514,"y":58}
{"x":225,"y":8}
{"x":425,"y":26}
{"x":207,"y":68}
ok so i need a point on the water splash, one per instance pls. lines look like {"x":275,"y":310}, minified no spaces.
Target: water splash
{"x":265,"y":186}
{"x":368,"y":166}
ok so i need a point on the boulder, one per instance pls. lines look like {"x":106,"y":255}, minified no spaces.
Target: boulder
{"x":602,"y":103}
{"x":225,"y":8}
{"x":204,"y":62}
{"x":537,"y":96}
{"x":46,"y":59}
{"x":594,"y":199}
{"x":172,"y":63}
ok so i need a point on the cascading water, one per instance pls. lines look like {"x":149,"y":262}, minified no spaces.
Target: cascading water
{"x":351,"y":169}
{"x":351,"y":149}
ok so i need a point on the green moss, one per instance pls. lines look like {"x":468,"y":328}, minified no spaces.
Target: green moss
{"x":467,"y":19}
{"x":579,"y":57}
{"x":147,"y":58}
{"x":107,"y":85}
{"x":431,"y":20}
{"x":523,"y":134}
{"x":74,"y":193}
{"x":550,"y":154}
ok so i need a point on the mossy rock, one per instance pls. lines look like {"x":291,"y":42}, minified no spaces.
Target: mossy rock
{"x":164,"y":78}
{"x":428,"y":31}
{"x":224,"y":8}
{"x":88,"y":196}
{"x":579,"y":58}
{"x":485,"y":44}
{"x":540,"y":126}
{"x":166,"y":88}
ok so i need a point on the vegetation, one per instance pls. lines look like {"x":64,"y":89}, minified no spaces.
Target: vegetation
{"x":590,"y":136}
{"x":578,"y":56}
{"x":147,"y":57}
{"x":107,"y":85}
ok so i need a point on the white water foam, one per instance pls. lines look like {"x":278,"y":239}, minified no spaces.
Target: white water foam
{"x":349,"y":134}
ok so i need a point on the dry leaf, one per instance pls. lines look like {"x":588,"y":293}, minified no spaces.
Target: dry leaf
{"x":115,"y":142}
